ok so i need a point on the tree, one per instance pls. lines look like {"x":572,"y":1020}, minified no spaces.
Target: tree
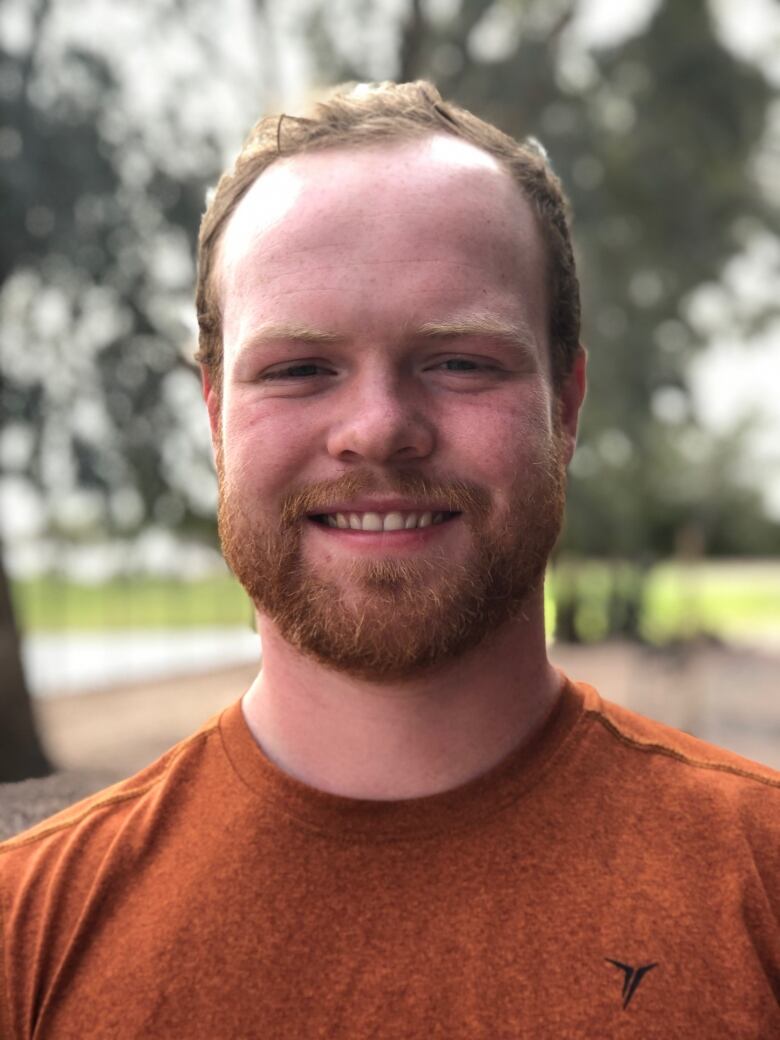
{"x":95,"y":256}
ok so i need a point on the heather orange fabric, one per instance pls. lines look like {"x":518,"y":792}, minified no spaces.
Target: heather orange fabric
{"x":612,"y":878}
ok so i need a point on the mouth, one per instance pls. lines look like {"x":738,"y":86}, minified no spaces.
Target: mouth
{"x":395,"y":520}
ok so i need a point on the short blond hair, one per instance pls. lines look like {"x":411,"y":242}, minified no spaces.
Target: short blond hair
{"x":366,"y":114}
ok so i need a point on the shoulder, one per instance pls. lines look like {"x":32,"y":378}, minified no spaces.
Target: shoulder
{"x":84,"y":832}
{"x":698,"y":758}
{"x":675,"y":771}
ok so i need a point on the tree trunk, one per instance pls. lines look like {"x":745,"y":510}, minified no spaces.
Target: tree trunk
{"x":21,"y":753}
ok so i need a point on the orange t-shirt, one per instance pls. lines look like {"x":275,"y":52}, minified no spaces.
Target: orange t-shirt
{"x":613,"y":878}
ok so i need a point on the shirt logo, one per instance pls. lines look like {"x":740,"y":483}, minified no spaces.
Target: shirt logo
{"x":631,"y":978}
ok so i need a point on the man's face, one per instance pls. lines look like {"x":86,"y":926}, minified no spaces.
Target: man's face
{"x":389,"y":450}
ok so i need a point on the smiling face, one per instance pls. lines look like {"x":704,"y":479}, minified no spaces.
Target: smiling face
{"x":390,"y":452}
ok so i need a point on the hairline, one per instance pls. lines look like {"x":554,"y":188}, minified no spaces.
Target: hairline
{"x":405,"y":135}
{"x":411,"y":112}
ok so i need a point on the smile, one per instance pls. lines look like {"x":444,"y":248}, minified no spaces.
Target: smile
{"x":393,"y":521}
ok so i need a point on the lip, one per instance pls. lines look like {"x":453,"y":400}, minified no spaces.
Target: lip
{"x":400,"y":542}
{"x":382,"y":505}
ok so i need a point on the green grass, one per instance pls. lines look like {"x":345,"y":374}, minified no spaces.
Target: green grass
{"x":725,"y":599}
{"x":720,"y":599}
{"x":53,"y":604}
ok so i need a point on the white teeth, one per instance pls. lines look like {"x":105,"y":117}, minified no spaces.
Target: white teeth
{"x":393,"y":522}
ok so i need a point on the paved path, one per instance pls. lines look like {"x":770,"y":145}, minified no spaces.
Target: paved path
{"x":727,"y":696}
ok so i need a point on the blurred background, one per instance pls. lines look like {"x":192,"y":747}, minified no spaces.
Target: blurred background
{"x":120,"y":628}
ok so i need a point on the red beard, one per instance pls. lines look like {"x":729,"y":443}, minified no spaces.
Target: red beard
{"x":396,"y":618}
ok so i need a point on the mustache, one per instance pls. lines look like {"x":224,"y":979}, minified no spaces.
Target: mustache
{"x":457,"y":496}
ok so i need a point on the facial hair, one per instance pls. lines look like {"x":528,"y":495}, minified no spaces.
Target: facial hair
{"x":396,"y":619}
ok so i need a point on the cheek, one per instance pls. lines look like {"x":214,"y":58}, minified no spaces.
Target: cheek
{"x":263,"y":449}
{"x":500,"y":437}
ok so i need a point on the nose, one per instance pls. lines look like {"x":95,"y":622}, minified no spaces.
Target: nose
{"x":380,"y":421}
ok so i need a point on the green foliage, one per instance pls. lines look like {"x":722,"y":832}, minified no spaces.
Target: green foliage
{"x":731,"y":600}
{"x":675,"y":601}
{"x":95,"y":263}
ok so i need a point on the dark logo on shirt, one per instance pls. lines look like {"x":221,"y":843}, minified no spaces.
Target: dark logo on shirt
{"x":631,"y":978}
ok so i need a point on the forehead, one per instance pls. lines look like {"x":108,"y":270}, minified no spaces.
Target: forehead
{"x":432,"y":182}
{"x":337,"y":174}
{"x":377,"y":236}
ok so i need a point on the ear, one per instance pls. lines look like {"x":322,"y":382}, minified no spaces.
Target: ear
{"x":570,"y":398}
{"x":213,"y":398}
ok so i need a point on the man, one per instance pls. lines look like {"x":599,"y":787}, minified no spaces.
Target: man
{"x":411,"y":825}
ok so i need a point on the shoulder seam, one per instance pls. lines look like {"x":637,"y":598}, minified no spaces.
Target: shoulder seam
{"x":13,"y":843}
{"x":663,"y":749}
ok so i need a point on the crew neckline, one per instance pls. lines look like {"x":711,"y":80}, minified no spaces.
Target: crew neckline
{"x":359,"y":818}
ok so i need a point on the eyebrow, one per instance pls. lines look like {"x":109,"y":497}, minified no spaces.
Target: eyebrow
{"x":516,"y":333}
{"x":274,"y":331}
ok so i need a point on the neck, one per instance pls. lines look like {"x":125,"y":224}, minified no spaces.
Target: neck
{"x":406,"y":739}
